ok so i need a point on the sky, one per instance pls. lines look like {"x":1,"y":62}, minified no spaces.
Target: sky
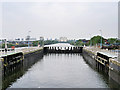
{"x":73,"y":20}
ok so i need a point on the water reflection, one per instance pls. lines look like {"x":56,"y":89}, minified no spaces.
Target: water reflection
{"x":61,"y":71}
{"x":13,"y":73}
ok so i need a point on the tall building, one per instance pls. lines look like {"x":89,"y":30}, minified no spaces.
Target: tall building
{"x":28,"y":37}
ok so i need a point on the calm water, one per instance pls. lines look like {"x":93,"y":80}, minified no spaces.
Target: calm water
{"x":61,"y":71}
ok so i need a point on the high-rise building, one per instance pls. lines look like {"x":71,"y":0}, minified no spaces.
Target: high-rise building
{"x":28,"y":37}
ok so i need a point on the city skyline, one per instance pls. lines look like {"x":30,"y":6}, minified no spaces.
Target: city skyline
{"x":63,"y":19}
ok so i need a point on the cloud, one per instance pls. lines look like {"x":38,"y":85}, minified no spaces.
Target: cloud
{"x":51,"y":20}
{"x":59,"y":0}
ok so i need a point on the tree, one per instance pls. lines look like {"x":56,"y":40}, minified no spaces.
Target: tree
{"x":112,"y":40}
{"x":97,"y":40}
{"x":35,"y":43}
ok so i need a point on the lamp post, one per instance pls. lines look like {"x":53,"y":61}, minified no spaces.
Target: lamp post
{"x":90,"y":40}
{"x":115,"y":41}
{"x":5,"y":45}
{"x":28,"y":37}
{"x":101,"y":39}
{"x":1,"y":43}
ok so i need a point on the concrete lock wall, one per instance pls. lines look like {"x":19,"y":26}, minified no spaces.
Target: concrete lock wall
{"x":31,"y":58}
{"x":89,"y":58}
{"x":16,"y":71}
{"x":114,"y":71}
{"x":114,"y":74}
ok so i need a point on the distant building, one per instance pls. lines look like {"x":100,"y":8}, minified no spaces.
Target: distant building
{"x":56,"y":39}
{"x":22,"y":39}
{"x":41,"y":38}
{"x":63,"y":39}
{"x":17,"y":39}
{"x":30,"y":39}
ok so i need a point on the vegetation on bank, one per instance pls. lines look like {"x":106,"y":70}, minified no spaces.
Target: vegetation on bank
{"x":96,"y":40}
{"x":10,"y":45}
{"x":47,"y":42}
{"x":33,"y":43}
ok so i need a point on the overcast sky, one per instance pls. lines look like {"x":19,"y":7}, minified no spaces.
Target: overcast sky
{"x":55,"y":19}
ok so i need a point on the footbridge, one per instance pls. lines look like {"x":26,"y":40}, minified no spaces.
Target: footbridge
{"x":62,"y":48}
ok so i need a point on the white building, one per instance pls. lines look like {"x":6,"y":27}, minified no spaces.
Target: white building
{"x":30,"y":39}
{"x":63,"y":39}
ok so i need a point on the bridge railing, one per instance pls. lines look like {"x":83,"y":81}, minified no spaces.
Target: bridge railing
{"x":56,"y":49}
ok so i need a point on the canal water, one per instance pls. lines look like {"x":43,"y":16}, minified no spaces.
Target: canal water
{"x":61,"y":71}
